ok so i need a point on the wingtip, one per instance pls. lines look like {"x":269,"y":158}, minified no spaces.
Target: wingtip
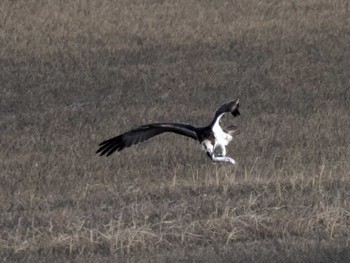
{"x":99,"y":153}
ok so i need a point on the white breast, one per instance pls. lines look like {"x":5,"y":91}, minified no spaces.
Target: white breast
{"x":221,"y":137}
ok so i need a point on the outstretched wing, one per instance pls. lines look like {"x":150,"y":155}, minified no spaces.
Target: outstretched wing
{"x":144,"y":133}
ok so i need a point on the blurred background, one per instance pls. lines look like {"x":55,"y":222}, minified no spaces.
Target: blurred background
{"x":76,"y":73}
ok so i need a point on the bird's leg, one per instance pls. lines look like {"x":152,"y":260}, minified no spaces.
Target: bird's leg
{"x":214,"y":158}
{"x":223,"y":155}
{"x":223,"y":150}
{"x":223,"y":159}
{"x":209,"y":148}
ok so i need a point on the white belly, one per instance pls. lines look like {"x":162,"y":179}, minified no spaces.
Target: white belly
{"x":221,"y":137}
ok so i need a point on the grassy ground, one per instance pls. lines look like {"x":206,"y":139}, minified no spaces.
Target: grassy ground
{"x":76,"y":73}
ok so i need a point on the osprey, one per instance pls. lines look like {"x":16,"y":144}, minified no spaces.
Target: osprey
{"x":211,"y":137}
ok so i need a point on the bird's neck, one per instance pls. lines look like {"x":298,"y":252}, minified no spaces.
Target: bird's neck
{"x":216,"y":120}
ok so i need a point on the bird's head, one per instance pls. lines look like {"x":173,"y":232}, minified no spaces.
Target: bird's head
{"x":233,"y":107}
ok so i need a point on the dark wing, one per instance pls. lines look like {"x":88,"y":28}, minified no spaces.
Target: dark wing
{"x":233,"y":129}
{"x":144,"y":133}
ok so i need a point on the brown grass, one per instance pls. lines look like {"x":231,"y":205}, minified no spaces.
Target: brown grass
{"x":75,"y":73}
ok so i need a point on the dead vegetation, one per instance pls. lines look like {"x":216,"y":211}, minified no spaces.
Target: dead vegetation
{"x":74,"y":74}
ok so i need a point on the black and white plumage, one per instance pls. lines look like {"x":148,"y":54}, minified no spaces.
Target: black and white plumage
{"x":210,"y":137}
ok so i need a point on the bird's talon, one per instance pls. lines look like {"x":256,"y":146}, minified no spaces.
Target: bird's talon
{"x":230,"y":160}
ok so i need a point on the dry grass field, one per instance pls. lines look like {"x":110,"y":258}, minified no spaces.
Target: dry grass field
{"x":74,"y":73}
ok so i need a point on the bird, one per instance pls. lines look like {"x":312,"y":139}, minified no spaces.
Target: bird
{"x":211,"y":137}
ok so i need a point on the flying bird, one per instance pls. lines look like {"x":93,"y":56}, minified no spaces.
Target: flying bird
{"x":211,"y":137}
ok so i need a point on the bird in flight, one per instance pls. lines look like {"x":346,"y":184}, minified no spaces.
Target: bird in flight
{"x":211,"y":137}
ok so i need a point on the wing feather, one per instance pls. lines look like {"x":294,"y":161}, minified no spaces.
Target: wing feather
{"x":144,"y":133}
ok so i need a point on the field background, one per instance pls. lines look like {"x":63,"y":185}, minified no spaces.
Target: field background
{"x":74,"y":73}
